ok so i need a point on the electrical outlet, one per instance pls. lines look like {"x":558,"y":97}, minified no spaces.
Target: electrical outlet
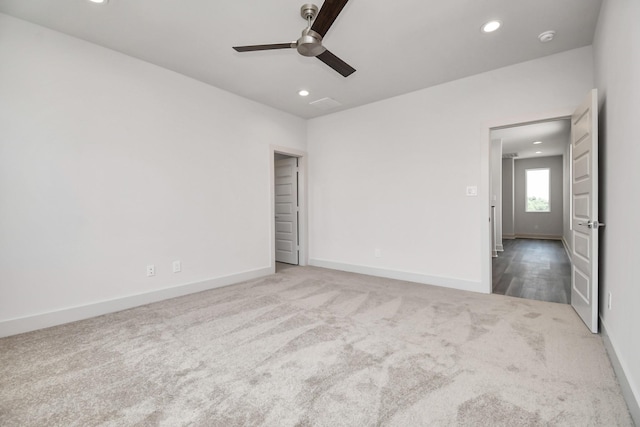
{"x":377,"y":253}
{"x":151,"y":270}
{"x":609,"y":300}
{"x":177,"y":266}
{"x":472,"y":191}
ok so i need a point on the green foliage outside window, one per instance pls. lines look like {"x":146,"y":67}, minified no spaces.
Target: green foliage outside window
{"x":535,"y":204}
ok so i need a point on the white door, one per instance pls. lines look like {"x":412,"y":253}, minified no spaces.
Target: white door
{"x":584,"y":199}
{"x":286,"y":210}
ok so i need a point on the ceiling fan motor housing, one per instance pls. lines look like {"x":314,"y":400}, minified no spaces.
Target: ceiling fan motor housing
{"x":310,"y":44}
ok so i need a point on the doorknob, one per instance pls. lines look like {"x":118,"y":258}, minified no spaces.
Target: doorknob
{"x":593,"y":224}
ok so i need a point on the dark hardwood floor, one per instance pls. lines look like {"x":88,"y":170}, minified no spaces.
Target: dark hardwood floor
{"x":533,"y":269}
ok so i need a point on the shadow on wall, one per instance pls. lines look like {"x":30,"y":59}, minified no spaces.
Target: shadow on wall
{"x":602,"y":196}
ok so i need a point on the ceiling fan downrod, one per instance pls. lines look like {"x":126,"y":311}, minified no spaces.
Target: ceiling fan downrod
{"x":309,"y":12}
{"x":310,"y":44}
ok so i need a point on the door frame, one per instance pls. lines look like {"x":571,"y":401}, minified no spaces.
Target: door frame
{"x":485,"y":180}
{"x":303,"y":251}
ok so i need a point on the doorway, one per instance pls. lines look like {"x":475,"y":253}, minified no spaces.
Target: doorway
{"x":583,"y":201}
{"x":531,"y":219}
{"x":288,"y":208}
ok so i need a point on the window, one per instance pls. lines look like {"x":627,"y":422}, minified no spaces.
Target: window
{"x":537,"y":184}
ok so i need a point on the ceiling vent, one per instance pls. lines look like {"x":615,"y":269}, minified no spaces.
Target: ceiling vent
{"x":509,"y":155}
{"x":325,"y":104}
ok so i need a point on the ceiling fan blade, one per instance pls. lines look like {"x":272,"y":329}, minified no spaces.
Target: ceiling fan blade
{"x":328,"y":13}
{"x":264,"y":47}
{"x":336,"y":63}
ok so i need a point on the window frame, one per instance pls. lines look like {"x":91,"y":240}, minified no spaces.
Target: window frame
{"x":526,"y":189}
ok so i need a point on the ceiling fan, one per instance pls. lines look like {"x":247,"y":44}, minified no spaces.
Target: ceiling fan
{"x":310,"y":44}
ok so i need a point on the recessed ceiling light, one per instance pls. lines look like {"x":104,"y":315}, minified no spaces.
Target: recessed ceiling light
{"x":491,"y":26}
{"x":547,"y":36}
{"x":303,"y":93}
{"x":99,"y":1}
{"x":538,"y":152}
{"x":537,"y":142}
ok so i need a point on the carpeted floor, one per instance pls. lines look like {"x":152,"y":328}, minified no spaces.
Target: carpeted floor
{"x":309,"y":346}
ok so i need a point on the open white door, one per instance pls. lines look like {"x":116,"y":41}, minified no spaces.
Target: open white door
{"x":286,"y":210}
{"x":584,"y":199}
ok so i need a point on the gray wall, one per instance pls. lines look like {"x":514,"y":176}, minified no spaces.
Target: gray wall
{"x":508,"y":230}
{"x":539,"y":224}
{"x":617,"y":61}
{"x":106,"y":167}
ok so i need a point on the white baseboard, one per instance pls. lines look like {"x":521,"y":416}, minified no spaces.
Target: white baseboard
{"x":445,"y":282}
{"x":566,"y":248}
{"x":508,"y":236}
{"x":629,"y":390}
{"x":72,"y":314}
{"x":538,"y":236}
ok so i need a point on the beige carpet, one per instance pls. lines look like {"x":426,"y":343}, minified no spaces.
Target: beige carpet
{"x":309,"y":346}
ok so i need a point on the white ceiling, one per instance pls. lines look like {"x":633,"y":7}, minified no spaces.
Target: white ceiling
{"x":554,"y":136}
{"x":396,"y":46}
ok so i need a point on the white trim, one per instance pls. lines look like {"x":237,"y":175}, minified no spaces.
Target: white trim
{"x":500,"y":248}
{"x":629,"y":390}
{"x":445,"y":282}
{"x":303,"y":191}
{"x":539,"y":236}
{"x":566,"y":249}
{"x":73,"y":314}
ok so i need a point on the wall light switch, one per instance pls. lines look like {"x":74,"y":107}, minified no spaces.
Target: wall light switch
{"x":472,"y":190}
